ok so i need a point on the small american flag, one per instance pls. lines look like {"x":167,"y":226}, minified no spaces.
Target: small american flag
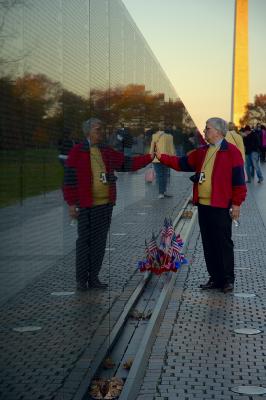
{"x":152,"y":247}
{"x":170,"y":252}
{"x":177,"y":244}
{"x":169,"y":234}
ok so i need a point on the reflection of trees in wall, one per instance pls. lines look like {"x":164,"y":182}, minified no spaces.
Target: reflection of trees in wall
{"x":136,"y":106}
{"x":24,"y":104}
{"x":35,"y":110}
{"x":174,"y":112}
{"x":255,"y":112}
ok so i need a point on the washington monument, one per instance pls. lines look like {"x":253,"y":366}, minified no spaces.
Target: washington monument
{"x":240,"y":84}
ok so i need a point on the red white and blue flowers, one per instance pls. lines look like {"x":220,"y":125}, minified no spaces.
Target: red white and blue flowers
{"x":165,"y":257}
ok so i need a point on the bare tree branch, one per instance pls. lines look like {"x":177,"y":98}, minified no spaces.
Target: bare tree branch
{"x":6,"y":6}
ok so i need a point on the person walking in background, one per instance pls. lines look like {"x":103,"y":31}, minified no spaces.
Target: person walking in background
{"x":249,"y":168}
{"x":64,"y":146}
{"x":164,"y":143}
{"x":188,"y":142}
{"x":261,"y":132}
{"x":90,"y":191}
{"x":126,"y":139}
{"x":252,"y":149}
{"x":178,"y":141}
{"x":139,"y":145}
{"x":263,"y":143}
{"x":219,"y":189}
{"x":233,"y":137}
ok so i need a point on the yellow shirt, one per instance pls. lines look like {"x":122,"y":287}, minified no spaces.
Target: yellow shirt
{"x":164,"y":143}
{"x":100,"y":190}
{"x":234,"y":138}
{"x":205,"y":188}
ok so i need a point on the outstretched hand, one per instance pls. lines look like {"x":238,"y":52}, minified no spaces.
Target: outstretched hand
{"x":153,"y":151}
{"x":157,"y":153}
{"x":152,"y":154}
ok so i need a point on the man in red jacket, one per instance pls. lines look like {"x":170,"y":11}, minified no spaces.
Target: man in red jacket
{"x":90,"y":191}
{"x":219,"y":189}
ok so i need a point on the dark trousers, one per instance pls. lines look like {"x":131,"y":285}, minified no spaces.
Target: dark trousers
{"x":93,"y":226}
{"x":216,"y":232}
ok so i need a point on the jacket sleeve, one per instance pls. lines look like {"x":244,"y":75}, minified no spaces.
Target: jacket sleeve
{"x":239,"y":188}
{"x":124,"y":164}
{"x":186,"y":163}
{"x":70,"y":178}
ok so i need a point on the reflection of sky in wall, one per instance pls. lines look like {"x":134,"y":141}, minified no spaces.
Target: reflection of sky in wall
{"x":193,"y":41}
{"x":52,"y":37}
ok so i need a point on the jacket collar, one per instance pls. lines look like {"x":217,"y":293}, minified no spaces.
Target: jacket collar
{"x":223,"y":146}
{"x":85,"y":146}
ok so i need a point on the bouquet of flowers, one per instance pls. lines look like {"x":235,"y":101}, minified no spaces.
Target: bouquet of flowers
{"x":165,"y":257}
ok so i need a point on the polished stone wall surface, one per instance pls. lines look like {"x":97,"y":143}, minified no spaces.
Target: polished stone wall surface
{"x":62,"y":62}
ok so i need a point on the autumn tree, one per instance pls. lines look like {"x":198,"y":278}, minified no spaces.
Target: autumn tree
{"x":73,"y":110}
{"x":38,"y":98}
{"x":255,"y":112}
{"x":135,"y":105}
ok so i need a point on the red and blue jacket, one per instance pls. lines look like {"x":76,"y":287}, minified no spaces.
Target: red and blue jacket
{"x":228,"y":177}
{"x":77,"y":187}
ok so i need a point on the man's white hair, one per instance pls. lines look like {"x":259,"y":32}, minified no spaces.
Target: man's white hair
{"x":219,"y":124}
{"x":87,"y":125}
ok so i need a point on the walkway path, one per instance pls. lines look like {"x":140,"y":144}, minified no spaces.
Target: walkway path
{"x":197,"y":355}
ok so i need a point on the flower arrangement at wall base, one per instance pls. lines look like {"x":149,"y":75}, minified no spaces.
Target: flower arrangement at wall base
{"x":167,"y":256}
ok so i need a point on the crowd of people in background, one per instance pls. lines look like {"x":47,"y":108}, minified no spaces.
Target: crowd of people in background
{"x":251,"y":141}
{"x":136,"y":142}
{"x":255,"y":147}
{"x":123,"y":139}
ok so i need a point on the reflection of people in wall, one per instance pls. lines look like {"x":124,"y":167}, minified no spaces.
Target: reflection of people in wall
{"x":64,"y":146}
{"x":164,"y":143}
{"x":90,"y":191}
{"x":125,"y":138}
{"x":188,"y":142}
{"x":178,"y":141}
{"x":139,"y":144}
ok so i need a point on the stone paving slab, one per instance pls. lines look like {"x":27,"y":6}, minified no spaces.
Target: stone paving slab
{"x":51,"y":363}
{"x":197,"y":354}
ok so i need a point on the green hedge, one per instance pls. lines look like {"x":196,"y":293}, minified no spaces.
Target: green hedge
{"x":26,"y":173}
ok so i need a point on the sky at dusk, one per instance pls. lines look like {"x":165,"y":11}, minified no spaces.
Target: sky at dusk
{"x":193,"y":41}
